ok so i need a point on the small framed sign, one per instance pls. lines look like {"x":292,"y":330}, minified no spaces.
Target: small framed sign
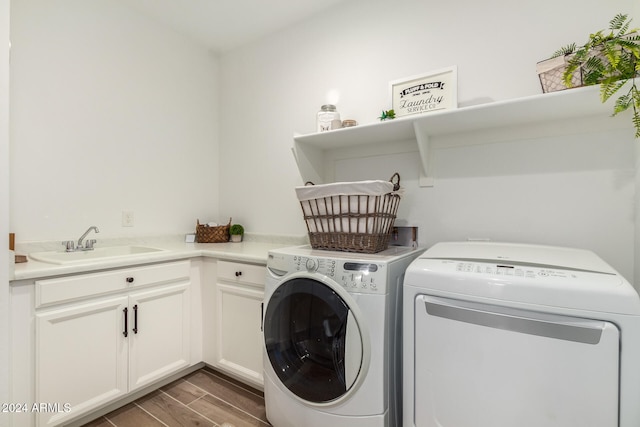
{"x":437,"y":90}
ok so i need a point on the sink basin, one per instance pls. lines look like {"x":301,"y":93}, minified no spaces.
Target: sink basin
{"x":55,"y":257}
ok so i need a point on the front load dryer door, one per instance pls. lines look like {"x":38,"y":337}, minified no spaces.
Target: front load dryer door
{"x":313,"y":341}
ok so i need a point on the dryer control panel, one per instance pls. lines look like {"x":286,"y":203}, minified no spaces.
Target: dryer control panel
{"x":522,"y":282}
{"x":510,"y":270}
{"x":354,"y":276}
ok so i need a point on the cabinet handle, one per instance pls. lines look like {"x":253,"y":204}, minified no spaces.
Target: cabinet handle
{"x":238,"y":273}
{"x":126,"y":318}
{"x":129,"y":279}
{"x":135,"y":319}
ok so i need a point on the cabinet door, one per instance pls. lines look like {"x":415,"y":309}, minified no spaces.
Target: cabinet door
{"x":81,"y":358}
{"x":238,"y":330}
{"x":158,"y":333}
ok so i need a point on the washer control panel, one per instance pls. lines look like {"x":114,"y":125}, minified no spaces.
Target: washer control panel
{"x":354,"y":276}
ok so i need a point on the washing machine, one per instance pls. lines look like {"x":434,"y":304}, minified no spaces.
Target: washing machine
{"x":504,"y":335}
{"x":332,"y":337}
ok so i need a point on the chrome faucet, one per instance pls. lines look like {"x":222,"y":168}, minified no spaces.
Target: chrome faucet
{"x":89,"y":244}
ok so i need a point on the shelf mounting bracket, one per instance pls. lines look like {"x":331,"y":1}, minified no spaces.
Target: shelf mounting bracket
{"x":426,"y":171}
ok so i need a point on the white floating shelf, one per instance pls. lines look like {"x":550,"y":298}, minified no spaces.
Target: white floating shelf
{"x":311,"y":150}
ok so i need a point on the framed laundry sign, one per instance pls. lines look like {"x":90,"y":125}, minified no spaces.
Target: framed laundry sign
{"x":437,"y":90}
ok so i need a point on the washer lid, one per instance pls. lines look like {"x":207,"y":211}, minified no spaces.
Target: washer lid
{"x":531,"y":274}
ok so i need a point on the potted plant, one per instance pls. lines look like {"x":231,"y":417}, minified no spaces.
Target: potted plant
{"x":387,"y":115}
{"x":236,"y":231}
{"x":611,"y":60}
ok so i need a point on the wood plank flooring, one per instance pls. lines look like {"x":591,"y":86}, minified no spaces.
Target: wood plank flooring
{"x":204,"y":398}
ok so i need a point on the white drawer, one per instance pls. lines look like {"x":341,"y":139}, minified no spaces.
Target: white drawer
{"x":239,"y":272}
{"x":51,"y":291}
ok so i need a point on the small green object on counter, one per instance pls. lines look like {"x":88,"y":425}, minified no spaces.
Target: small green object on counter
{"x":236,"y":230}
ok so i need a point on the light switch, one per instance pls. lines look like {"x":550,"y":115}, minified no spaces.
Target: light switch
{"x":127,"y":218}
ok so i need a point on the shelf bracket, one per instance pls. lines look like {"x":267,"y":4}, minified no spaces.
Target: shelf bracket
{"x":310,"y":162}
{"x":426,"y":171}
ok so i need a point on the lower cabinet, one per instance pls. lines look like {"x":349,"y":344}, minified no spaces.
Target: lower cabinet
{"x":81,"y":342}
{"x":159,"y":344}
{"x":239,"y":295}
{"x":81,"y":361}
{"x":90,"y":352}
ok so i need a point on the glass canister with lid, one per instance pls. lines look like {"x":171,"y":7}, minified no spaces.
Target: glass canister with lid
{"x":328,"y":118}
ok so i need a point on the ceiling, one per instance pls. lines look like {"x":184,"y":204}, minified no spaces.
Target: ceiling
{"x":224,"y":25}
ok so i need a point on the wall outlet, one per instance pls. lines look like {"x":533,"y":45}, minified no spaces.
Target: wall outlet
{"x":127,"y":218}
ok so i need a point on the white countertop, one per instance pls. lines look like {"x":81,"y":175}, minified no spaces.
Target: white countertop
{"x":250,"y":250}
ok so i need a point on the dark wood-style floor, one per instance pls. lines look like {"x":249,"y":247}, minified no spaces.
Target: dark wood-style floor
{"x":204,"y":398}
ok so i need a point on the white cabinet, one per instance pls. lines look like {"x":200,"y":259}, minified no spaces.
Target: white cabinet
{"x":159,"y":335}
{"x":100,"y":336}
{"x":80,"y":359}
{"x":239,"y":295}
{"x":316,"y":153}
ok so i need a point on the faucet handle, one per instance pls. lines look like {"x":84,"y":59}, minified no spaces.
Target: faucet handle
{"x":69,"y":245}
{"x":89,"y":243}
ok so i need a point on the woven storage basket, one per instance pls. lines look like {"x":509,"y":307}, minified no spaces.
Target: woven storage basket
{"x":350,"y":216}
{"x":206,"y":234}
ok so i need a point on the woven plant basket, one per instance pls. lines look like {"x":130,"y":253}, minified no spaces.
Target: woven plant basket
{"x":206,"y":234}
{"x":551,"y":71}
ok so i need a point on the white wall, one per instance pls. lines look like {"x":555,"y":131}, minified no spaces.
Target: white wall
{"x":113,"y":112}
{"x":636,"y":14}
{"x":4,"y":207}
{"x":110,"y":111}
{"x":576,"y":190}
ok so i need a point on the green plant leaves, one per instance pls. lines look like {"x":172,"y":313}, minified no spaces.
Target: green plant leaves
{"x":619,"y":23}
{"x":636,"y":122}
{"x":610,"y":60}
{"x":565,"y":50}
{"x":388,"y":114}
{"x":622,"y":103}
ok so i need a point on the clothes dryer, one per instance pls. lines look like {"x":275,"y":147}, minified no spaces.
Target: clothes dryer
{"x":332,"y":331}
{"x":503,"y":335}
